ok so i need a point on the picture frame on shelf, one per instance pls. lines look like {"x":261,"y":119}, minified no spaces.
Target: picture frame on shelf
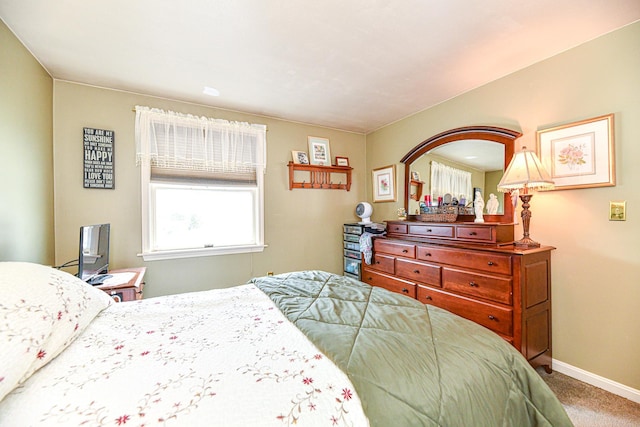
{"x":342,"y":161}
{"x":384,"y":184}
{"x":300,"y":157}
{"x":415,"y":176}
{"x":319,"y":151}
{"x":579,"y":154}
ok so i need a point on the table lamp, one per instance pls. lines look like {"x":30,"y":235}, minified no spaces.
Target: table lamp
{"x":525,"y":173}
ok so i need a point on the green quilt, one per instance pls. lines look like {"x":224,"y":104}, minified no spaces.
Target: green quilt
{"x":414,"y":364}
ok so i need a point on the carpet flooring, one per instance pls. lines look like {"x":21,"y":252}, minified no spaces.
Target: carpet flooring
{"x":590,"y":406}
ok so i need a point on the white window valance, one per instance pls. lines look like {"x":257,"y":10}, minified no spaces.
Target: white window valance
{"x":172,"y":141}
{"x":445,"y":179}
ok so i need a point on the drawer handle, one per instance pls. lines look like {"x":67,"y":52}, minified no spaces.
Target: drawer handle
{"x":427,"y":254}
{"x":473,"y":233}
{"x":491,"y":317}
{"x":405,"y":290}
{"x":416,"y":271}
{"x":490,"y":263}
{"x":377,"y":262}
{"x":428,"y":298}
{"x":429,"y":230}
{"x":473,"y":284}
{"x":404,"y":251}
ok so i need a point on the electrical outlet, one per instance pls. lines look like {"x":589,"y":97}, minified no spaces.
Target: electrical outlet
{"x":618,"y":211}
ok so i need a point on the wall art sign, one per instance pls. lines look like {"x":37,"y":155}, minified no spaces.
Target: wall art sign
{"x":98,"y":158}
{"x":580,"y":154}
{"x":319,"y":152}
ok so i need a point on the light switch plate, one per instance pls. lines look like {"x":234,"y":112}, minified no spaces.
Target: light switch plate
{"x":618,"y":211}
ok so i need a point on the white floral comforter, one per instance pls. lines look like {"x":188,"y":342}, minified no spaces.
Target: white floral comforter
{"x":217,"y":358}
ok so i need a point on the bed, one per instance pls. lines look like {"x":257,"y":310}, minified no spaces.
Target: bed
{"x":306,"y":348}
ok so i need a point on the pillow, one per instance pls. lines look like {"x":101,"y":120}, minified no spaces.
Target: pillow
{"x":42,"y":310}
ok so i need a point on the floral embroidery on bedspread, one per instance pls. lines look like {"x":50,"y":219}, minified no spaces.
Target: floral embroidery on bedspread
{"x":226,"y":357}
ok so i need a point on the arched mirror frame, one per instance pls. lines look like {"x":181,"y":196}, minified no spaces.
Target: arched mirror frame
{"x":503,"y":136}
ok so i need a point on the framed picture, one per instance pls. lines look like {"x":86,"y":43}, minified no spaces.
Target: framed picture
{"x":384,"y":184}
{"x":300,"y":157}
{"x":579,"y":155}
{"x":342,"y":161}
{"x":415,"y":176}
{"x":319,"y":153}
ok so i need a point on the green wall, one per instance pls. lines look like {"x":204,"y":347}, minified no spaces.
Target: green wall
{"x":26,"y":156}
{"x":596,"y":295}
{"x":303,"y":227}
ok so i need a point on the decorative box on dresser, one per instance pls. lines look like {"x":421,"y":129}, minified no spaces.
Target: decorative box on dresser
{"x":473,"y":270}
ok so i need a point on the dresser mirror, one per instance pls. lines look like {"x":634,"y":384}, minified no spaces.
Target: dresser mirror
{"x":462,"y":148}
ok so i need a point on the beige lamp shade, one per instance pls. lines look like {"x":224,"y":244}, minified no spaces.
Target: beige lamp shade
{"x":525,"y":171}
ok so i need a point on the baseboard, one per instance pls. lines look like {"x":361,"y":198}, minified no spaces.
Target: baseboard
{"x":597,"y":381}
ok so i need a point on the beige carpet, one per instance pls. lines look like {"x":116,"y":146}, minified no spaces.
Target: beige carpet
{"x":590,"y":406}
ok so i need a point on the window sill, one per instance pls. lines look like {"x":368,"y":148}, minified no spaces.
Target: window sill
{"x":193,"y":253}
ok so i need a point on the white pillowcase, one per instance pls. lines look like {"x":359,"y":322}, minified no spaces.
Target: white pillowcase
{"x":42,"y":310}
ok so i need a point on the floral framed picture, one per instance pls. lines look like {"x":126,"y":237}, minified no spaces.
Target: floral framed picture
{"x":580,"y":154}
{"x":319,"y":153}
{"x":384,"y":184}
{"x":300,"y":157}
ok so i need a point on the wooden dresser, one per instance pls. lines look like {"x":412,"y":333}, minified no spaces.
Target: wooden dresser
{"x":471,"y":269}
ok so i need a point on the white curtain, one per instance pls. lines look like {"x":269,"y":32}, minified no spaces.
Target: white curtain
{"x":175,"y":141}
{"x":445,"y":179}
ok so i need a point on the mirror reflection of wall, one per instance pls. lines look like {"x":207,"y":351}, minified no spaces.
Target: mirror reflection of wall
{"x":486,"y":180}
{"x":423,"y":167}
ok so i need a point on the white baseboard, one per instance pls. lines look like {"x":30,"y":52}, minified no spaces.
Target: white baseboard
{"x":597,"y":381}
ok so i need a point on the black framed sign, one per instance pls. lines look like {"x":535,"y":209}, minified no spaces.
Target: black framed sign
{"x":98,"y":158}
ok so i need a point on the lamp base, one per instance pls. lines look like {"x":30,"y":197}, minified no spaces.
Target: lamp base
{"x":526,"y":243}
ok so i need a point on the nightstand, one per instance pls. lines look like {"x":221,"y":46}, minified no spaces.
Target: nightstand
{"x":130,"y":290}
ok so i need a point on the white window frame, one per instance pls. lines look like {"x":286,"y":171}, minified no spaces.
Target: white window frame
{"x":148,"y":227}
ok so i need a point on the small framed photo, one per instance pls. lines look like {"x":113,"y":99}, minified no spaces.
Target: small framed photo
{"x":319,"y":153}
{"x":617,"y":211}
{"x":384,"y":184}
{"x":342,"y":161}
{"x":580,"y":154}
{"x":415,"y":176}
{"x":300,"y":157}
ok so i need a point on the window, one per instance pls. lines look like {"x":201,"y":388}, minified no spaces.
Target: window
{"x":202,"y":184}
{"x":445,"y":179}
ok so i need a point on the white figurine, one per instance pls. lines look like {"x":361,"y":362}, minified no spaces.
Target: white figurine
{"x":478,"y":206}
{"x":514,"y":200}
{"x":493,"y":204}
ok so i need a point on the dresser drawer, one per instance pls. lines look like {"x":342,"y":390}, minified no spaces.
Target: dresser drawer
{"x":498,"y":319}
{"x":432,"y":230}
{"x":383,"y":262}
{"x":487,"y":262}
{"x":475,"y":233}
{"x":396,"y":228}
{"x":478,"y":285}
{"x":394,"y":247}
{"x":418,"y":271}
{"x":391,"y":283}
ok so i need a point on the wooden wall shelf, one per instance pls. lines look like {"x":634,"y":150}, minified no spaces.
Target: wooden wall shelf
{"x":320,"y":177}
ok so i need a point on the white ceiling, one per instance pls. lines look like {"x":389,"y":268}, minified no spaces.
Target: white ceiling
{"x":355,"y":65}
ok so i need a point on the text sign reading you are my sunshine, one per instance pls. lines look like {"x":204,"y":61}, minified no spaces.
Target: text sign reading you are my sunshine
{"x":98,"y":158}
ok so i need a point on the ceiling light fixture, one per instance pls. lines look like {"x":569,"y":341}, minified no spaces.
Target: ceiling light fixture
{"x":211,"y":91}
